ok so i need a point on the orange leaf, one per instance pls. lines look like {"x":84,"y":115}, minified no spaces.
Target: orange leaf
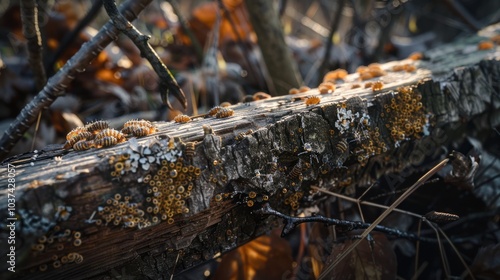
{"x":369,"y":260}
{"x":267,"y":257}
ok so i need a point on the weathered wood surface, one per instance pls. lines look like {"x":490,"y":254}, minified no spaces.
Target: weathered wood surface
{"x":58,"y":191}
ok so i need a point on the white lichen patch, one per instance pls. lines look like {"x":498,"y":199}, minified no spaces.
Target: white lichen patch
{"x":344,"y":119}
{"x":139,"y":157}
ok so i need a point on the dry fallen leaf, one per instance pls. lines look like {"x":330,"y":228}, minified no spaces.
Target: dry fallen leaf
{"x":369,"y":260}
{"x":267,"y":257}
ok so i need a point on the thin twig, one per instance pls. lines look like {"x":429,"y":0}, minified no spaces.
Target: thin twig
{"x":420,"y":217}
{"x":442,"y":254}
{"x":367,"y":203}
{"x":58,"y":83}
{"x":417,"y":249}
{"x":292,"y":222}
{"x":454,"y":249}
{"x":359,"y":200}
{"x":175,"y":264}
{"x":37,"y":126}
{"x":374,"y":225}
{"x":31,"y":31}
{"x":167,"y":81}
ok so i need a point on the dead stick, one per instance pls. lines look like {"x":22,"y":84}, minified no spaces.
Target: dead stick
{"x":389,"y":210}
{"x":58,"y":83}
{"x":31,"y":31}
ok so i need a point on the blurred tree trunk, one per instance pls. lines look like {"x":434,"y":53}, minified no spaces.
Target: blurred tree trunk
{"x":277,"y":56}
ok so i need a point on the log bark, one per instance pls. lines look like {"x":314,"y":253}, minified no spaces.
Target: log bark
{"x":345,"y":141}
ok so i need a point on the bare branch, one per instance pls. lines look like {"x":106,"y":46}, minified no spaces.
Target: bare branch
{"x":31,"y":31}
{"x":167,"y":81}
{"x":58,"y":83}
{"x":291,"y":222}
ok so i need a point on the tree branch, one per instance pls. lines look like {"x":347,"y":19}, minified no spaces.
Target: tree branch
{"x":291,"y":222}
{"x":167,"y":81}
{"x":58,"y":83}
{"x":31,"y":31}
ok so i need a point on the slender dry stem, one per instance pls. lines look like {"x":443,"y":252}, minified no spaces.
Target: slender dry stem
{"x":398,"y":201}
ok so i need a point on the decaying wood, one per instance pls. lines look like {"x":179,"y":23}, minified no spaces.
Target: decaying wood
{"x":345,"y":141}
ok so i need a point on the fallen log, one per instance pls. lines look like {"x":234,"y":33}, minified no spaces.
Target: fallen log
{"x":160,"y":204}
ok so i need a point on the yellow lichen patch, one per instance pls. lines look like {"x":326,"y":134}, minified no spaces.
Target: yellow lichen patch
{"x":405,"y":115}
{"x":166,"y":192}
{"x":370,"y":144}
{"x":164,"y":182}
{"x":170,"y":188}
{"x":119,"y":164}
{"x":293,"y":200}
{"x":119,"y":211}
{"x":50,"y":245}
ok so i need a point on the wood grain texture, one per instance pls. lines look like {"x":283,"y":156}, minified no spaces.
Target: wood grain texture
{"x":337,"y":144}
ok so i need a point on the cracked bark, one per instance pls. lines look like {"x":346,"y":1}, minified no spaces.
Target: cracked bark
{"x":458,"y":89}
